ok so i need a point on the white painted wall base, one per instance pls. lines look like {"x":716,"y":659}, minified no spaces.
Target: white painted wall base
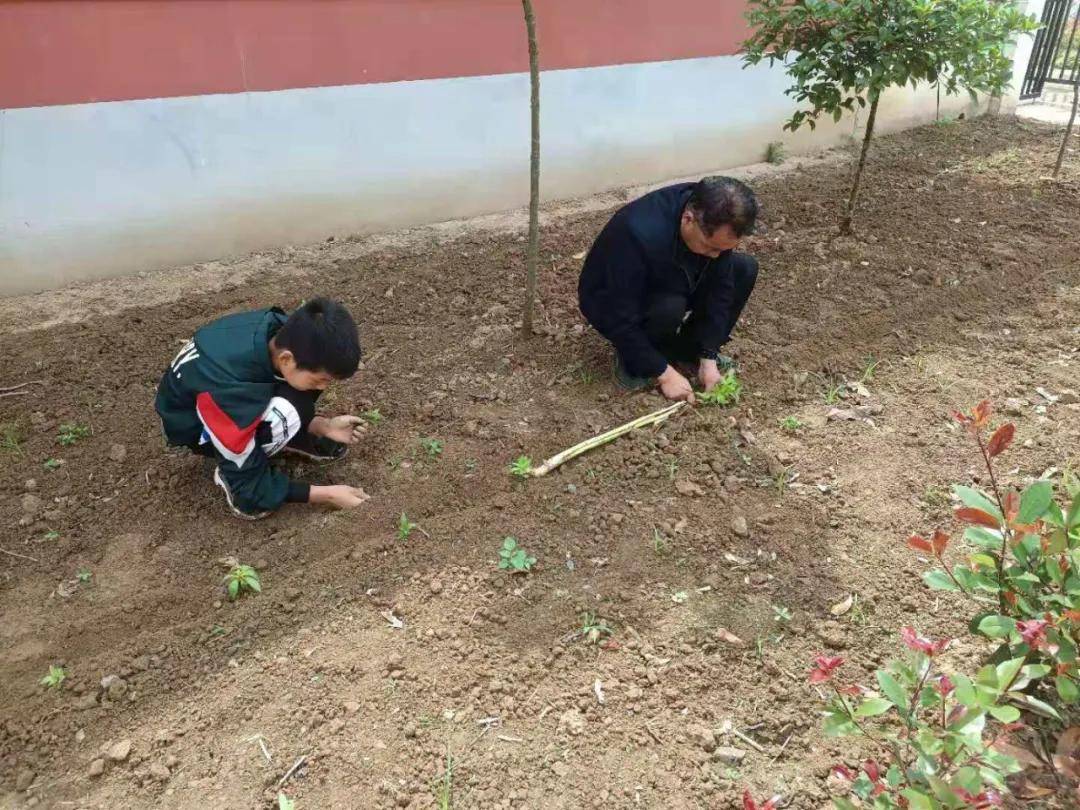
{"x":97,"y":190}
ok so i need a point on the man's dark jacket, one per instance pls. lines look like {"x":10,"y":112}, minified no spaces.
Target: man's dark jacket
{"x":639,"y":256}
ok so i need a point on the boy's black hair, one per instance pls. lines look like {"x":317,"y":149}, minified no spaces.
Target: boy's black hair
{"x":718,"y":201}
{"x":321,"y":335}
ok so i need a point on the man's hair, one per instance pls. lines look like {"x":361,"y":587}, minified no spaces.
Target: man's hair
{"x":717,"y":201}
{"x":321,"y":335}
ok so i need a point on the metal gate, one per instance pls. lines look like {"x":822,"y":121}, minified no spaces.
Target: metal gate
{"x":1055,"y":59}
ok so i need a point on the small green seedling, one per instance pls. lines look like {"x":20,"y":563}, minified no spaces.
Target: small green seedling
{"x":521,"y":467}
{"x":71,"y":433}
{"x":471,"y":464}
{"x":781,"y":614}
{"x":12,"y":436}
{"x":53,"y":463}
{"x":285,"y":803}
{"x":659,"y":543}
{"x":84,"y":575}
{"x":775,"y":153}
{"x":372,"y":417}
{"x":832,"y":394}
{"x":405,"y":527}
{"x":433,"y":447}
{"x":725,"y":392}
{"x":870,"y":367}
{"x":594,"y":629}
{"x":54,"y":678}
{"x":791,"y":424}
{"x":52,"y":534}
{"x":514,"y":558}
{"x":240,"y":579}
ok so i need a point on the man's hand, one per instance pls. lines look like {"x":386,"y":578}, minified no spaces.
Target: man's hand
{"x":340,"y":495}
{"x":344,"y":429}
{"x":709,"y":374}
{"x":675,"y":386}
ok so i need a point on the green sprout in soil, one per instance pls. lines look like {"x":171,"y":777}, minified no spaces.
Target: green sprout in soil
{"x":725,"y":392}
{"x":791,"y":424}
{"x":71,"y":433}
{"x":433,"y":447}
{"x":52,"y":534}
{"x":84,"y":575}
{"x":659,"y":543}
{"x":372,"y":417}
{"x":240,"y":579}
{"x":12,"y":436}
{"x":471,"y":464}
{"x":514,"y":558}
{"x":444,"y":784}
{"x":832,"y":394}
{"x":521,"y":467}
{"x":594,"y":629}
{"x":54,"y":678}
{"x":781,"y":614}
{"x":52,"y":463}
{"x":775,"y":153}
{"x":405,"y":527}
{"x":285,"y":803}
{"x":870,"y":367}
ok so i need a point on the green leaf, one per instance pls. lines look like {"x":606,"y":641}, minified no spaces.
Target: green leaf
{"x":872,"y":707}
{"x":1072,"y":520}
{"x":983,"y":537}
{"x":1006,"y":714}
{"x":1008,"y":670}
{"x":838,"y":725}
{"x":997,"y":626}
{"x":1035,"y":705}
{"x":917,"y":800}
{"x":893,"y":691}
{"x":938,"y":580}
{"x":974,"y":498}
{"x":253,"y":583}
{"x":1066,"y":688}
{"x":1034,"y":502}
{"x":234,"y":588}
{"x":965,"y":691}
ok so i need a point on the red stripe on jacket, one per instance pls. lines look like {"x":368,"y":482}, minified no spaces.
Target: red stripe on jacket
{"x":234,"y":437}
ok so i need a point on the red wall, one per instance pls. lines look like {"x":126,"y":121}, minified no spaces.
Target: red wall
{"x":73,"y":51}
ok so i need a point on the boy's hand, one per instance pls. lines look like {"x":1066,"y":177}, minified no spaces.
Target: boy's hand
{"x":340,"y":495}
{"x":344,"y":429}
{"x":709,"y":374}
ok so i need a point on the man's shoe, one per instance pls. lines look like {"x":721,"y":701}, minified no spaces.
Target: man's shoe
{"x":630,"y":382}
{"x":240,"y":513}
{"x":316,"y":448}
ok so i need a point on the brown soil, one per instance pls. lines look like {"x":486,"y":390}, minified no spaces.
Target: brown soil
{"x":963,"y":284}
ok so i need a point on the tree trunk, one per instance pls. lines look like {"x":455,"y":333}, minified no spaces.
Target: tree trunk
{"x":532,"y":255}
{"x":845,"y":224}
{"x":1068,"y":131}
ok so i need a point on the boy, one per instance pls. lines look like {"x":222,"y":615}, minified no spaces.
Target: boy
{"x":244,"y":389}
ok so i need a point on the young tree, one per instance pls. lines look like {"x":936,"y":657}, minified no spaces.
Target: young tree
{"x":532,"y":255}
{"x":843,"y":53}
{"x":1068,"y":131}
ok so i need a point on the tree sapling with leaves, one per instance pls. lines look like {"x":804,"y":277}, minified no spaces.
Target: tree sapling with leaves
{"x":840,"y":55}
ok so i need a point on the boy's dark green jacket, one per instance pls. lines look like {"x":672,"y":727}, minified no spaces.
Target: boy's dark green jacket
{"x":217,"y":390}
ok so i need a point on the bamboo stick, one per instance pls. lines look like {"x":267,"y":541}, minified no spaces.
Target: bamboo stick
{"x":596,"y":441}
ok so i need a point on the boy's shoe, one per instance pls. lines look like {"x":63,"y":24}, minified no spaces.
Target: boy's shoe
{"x":628,"y":381}
{"x":316,"y":448}
{"x":240,"y":513}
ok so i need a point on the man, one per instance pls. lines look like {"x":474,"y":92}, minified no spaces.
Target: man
{"x":664,"y":284}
